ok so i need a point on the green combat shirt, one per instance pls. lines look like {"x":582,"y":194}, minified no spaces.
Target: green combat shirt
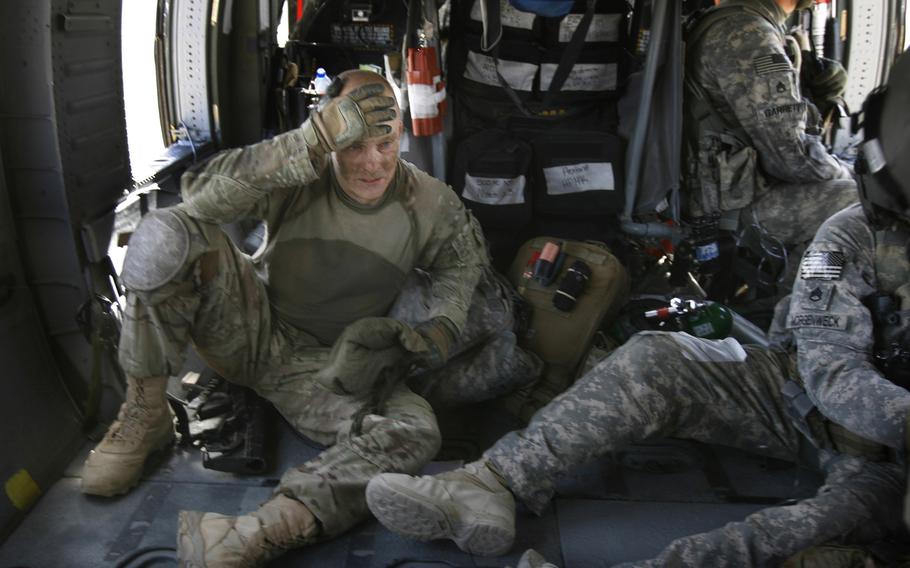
{"x":328,"y":260}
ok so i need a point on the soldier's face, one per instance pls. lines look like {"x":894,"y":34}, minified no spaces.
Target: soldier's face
{"x":366,"y":168}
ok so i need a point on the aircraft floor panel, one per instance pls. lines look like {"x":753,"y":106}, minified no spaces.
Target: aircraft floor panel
{"x":603,"y":533}
{"x":623,"y":506}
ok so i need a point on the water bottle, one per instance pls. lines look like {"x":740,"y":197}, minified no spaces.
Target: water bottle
{"x":321,"y":81}
{"x":705,"y":243}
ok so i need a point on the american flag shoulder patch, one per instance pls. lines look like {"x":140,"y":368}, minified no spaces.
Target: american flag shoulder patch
{"x":771,"y":63}
{"x":822,"y":265}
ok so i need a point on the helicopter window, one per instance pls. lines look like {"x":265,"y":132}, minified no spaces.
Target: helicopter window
{"x":140,"y":92}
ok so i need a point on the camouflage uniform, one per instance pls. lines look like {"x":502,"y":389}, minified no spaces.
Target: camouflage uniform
{"x":759,"y":150}
{"x":672,"y":384}
{"x":267,"y":322}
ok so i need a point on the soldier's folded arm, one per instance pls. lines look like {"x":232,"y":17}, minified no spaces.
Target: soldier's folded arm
{"x":241,"y":183}
{"x":835,"y":339}
{"x":454,"y":259}
{"x":760,"y":84}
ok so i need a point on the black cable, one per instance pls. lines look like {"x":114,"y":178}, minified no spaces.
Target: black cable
{"x":126,"y":560}
{"x":404,"y":561}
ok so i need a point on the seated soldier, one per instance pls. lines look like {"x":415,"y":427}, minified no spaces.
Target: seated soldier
{"x":348,"y":221}
{"x":837,"y":375}
{"x":758,"y":165}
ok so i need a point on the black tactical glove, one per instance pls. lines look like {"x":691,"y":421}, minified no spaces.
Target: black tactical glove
{"x":824,"y":79}
{"x":348,"y":118}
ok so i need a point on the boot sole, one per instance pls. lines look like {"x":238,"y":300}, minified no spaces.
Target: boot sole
{"x":410,"y":515}
{"x":190,"y":544}
{"x":106,"y":490}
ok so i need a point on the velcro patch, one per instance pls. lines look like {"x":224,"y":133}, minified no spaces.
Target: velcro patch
{"x":820,"y":321}
{"x":822,"y":265}
{"x":818,"y":297}
{"x":771,"y":63}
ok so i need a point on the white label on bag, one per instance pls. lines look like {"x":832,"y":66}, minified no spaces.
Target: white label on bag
{"x":604,"y":27}
{"x":482,"y":68}
{"x":494,"y":191}
{"x":508,"y":15}
{"x":582,"y":77}
{"x":577,"y":178}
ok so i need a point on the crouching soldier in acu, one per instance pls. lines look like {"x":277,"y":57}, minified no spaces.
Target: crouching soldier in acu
{"x":756,"y":153}
{"x":837,"y":376}
{"x":351,"y":228}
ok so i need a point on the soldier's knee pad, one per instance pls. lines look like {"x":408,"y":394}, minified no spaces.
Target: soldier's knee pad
{"x":157,"y":251}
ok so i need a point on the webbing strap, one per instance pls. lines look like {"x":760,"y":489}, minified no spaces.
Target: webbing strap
{"x":492,"y":24}
{"x":571,"y":53}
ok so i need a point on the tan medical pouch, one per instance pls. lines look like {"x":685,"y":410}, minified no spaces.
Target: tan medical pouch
{"x":560,"y":338}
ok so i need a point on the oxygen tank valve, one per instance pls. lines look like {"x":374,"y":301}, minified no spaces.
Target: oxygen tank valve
{"x":677,"y":307}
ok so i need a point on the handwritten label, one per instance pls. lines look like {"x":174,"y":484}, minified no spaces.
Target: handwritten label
{"x":508,"y":15}
{"x":582,"y":77}
{"x":604,"y":27}
{"x":482,"y":68}
{"x":577,"y":178}
{"x":494,"y":191}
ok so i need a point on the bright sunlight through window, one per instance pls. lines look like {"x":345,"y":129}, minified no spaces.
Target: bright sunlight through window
{"x":140,"y":93}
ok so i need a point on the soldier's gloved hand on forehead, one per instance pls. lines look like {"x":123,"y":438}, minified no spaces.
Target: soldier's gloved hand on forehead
{"x":362,"y":113}
{"x":369,"y":346}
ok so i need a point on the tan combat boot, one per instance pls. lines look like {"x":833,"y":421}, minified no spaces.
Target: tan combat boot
{"x":470,"y":506}
{"x":207,"y":540}
{"x":144,"y":424}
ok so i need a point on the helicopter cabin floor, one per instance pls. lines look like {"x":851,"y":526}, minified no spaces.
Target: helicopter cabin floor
{"x":623,"y":507}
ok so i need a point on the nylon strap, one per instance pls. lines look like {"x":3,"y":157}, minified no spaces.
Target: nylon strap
{"x":571,"y":53}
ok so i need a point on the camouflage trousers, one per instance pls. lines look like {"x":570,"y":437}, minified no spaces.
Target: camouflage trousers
{"x":674,"y":385}
{"x":217,"y":303}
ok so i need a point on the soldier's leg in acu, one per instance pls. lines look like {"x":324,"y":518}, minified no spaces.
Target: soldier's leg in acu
{"x":860,"y":502}
{"x":182,"y":277}
{"x":400,"y":436}
{"x":658,"y":384}
{"x":324,"y":496}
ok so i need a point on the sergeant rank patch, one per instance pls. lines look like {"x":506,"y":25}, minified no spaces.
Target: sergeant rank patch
{"x":771,"y":63}
{"x":822,"y":265}
{"x":818,"y":297}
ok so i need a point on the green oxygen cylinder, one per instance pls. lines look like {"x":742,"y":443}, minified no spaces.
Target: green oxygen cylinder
{"x":710,"y":321}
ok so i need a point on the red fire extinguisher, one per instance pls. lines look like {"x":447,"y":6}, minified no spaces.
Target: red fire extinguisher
{"x":426,"y":89}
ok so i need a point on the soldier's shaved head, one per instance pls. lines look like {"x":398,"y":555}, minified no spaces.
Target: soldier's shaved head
{"x":347,"y":81}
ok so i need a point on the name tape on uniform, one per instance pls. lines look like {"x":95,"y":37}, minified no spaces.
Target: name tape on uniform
{"x":820,"y":321}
